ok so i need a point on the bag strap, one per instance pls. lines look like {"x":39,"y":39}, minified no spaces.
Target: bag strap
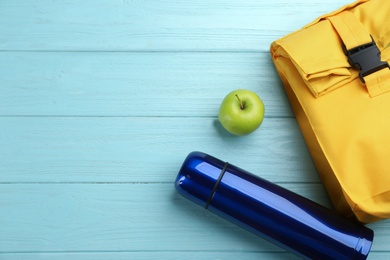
{"x":362,"y":52}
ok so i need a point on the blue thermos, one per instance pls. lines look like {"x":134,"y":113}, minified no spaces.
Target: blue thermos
{"x":280,"y":216}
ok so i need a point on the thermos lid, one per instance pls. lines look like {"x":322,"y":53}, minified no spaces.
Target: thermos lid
{"x":199,"y":177}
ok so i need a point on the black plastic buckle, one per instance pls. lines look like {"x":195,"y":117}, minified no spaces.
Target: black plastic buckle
{"x":367,"y":58}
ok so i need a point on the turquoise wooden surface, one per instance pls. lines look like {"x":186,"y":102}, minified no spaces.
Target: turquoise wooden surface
{"x":101,"y":101}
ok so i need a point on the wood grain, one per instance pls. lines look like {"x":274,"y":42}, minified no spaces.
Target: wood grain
{"x":100,"y":102}
{"x":158,"y":255}
{"x":119,"y":217}
{"x":153,"y":25}
{"x":134,"y":84}
{"x":143,"y":149}
{"x":126,"y":217}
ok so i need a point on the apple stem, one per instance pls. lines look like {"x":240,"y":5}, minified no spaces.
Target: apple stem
{"x":242,"y":104}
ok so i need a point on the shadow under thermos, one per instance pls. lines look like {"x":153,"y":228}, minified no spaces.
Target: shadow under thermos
{"x":274,"y":213}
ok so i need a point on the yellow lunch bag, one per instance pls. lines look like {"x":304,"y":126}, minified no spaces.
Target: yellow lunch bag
{"x":336,"y":74}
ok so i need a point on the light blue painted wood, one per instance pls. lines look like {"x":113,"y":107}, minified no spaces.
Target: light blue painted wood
{"x":134,"y":84}
{"x":153,"y":25}
{"x":126,"y":217}
{"x":100,"y":102}
{"x":143,"y":149}
{"x":119,"y":217}
{"x":170,"y":255}
{"x":177,"y":255}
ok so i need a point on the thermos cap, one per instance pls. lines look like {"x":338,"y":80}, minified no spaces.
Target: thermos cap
{"x":199,"y":177}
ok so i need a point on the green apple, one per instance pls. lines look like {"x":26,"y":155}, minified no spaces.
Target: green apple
{"x":241,"y":112}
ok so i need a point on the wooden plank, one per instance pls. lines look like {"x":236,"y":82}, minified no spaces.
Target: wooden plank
{"x":157,"y":255}
{"x":119,"y":217}
{"x":153,"y":25}
{"x":86,"y":166}
{"x":143,"y":218}
{"x":143,"y":149}
{"x":171,"y":255}
{"x":134,"y":84}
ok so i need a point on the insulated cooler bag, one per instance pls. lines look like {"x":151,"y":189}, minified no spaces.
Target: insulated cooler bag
{"x":336,"y":74}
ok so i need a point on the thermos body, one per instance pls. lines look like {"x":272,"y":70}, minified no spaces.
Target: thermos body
{"x":287,"y":219}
